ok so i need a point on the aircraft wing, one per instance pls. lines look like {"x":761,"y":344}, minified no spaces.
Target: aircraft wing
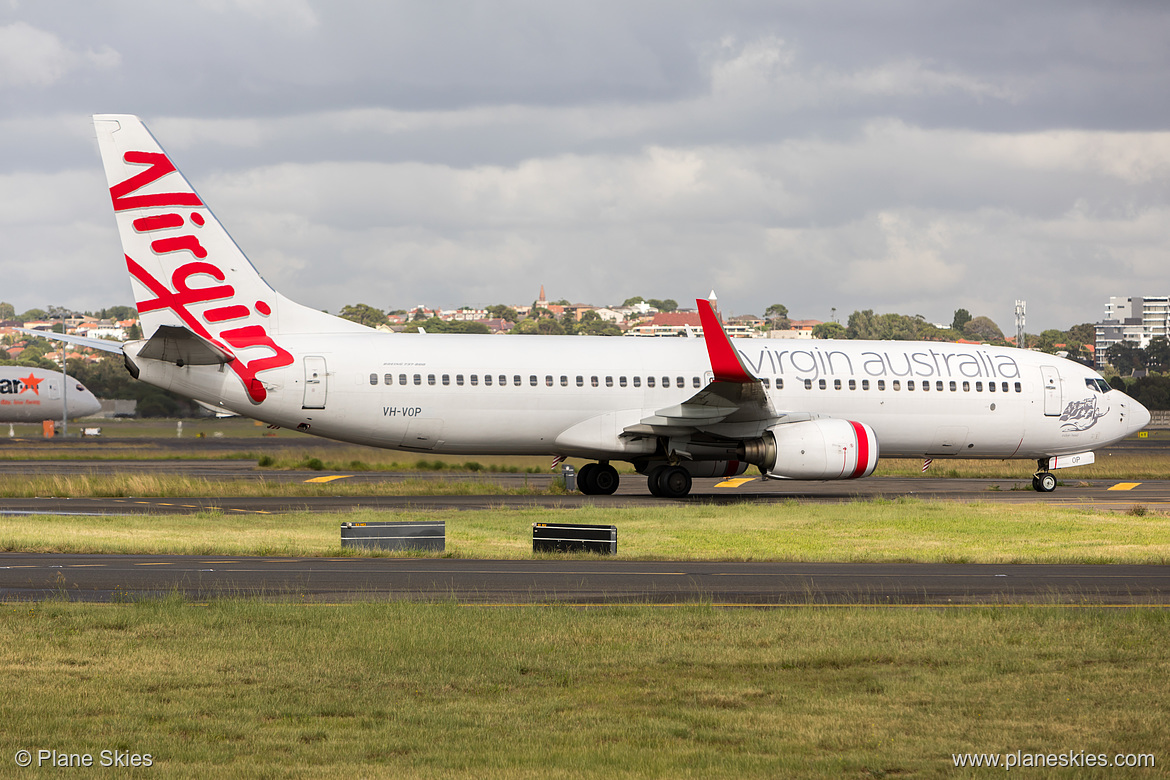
{"x":735,"y":395}
{"x":80,"y":341}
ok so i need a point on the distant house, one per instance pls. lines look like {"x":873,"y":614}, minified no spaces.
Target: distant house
{"x":673,"y":323}
{"x":497,"y":324}
{"x":797,"y":329}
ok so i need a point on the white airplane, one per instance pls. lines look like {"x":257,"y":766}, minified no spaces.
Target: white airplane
{"x":33,"y":394}
{"x":675,"y":408}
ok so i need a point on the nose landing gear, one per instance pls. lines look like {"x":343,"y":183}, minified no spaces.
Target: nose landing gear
{"x":1043,"y":481}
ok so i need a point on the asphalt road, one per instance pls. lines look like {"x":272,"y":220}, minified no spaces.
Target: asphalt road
{"x":1101,"y":494}
{"x":25,"y":576}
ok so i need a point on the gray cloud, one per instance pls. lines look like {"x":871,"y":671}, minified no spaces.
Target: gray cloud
{"x":908,"y":156}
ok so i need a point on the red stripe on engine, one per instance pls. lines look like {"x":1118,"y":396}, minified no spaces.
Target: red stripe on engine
{"x":862,"y":449}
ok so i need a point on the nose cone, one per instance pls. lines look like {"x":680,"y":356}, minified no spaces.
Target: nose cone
{"x":1139,"y":416}
{"x":85,"y":405}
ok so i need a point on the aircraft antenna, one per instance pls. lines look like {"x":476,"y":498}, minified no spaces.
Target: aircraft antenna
{"x":1021,"y":306}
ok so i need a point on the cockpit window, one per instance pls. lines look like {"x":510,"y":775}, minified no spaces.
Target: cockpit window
{"x":1098,"y":384}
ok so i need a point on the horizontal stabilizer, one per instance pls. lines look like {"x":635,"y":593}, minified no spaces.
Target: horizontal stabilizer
{"x":173,"y":344}
{"x":77,"y":341}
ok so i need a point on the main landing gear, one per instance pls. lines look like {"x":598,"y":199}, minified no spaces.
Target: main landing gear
{"x":669,"y":481}
{"x":1043,"y":481}
{"x":597,"y":479}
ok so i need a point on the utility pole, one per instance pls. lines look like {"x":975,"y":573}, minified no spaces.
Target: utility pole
{"x":1021,"y":306}
{"x":64,"y":397}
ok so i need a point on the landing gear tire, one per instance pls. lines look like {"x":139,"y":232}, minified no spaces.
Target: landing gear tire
{"x":652,"y":481}
{"x":1044,"y":482}
{"x":670,"y":481}
{"x":587,"y":479}
{"x":605,"y":480}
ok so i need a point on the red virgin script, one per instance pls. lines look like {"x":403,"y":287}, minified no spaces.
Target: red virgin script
{"x":183,"y":293}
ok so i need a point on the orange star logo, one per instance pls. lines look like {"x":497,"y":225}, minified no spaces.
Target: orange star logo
{"x":31,"y":383}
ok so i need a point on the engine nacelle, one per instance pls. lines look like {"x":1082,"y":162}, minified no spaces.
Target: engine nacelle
{"x":819,"y":449}
{"x":714,"y":468}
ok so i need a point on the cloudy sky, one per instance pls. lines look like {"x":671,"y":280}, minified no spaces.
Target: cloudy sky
{"x":909,"y":156}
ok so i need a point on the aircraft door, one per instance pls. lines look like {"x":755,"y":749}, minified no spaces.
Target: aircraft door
{"x":316,"y":383}
{"x":1052,"y":399}
{"x":54,"y":390}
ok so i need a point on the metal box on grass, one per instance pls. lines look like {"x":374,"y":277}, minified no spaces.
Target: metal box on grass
{"x":574,"y":537}
{"x":396,"y":536}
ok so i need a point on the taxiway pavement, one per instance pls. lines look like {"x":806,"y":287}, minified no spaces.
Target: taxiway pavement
{"x":103,"y":578}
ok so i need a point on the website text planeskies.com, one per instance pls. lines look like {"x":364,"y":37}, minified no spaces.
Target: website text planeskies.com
{"x":1069,"y":758}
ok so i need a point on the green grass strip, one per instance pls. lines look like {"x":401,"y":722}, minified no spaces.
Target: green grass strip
{"x":902,"y":530}
{"x":249,"y":689}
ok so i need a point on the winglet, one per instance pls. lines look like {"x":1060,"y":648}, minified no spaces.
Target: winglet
{"x":725,"y":361}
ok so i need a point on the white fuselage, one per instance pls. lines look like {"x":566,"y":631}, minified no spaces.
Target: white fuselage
{"x":574,"y":395}
{"x":34,"y":394}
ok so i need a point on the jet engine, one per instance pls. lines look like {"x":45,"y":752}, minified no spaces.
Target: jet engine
{"x":815,"y":449}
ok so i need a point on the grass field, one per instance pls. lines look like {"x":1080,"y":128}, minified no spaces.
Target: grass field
{"x":247,"y":689}
{"x":881,"y":530}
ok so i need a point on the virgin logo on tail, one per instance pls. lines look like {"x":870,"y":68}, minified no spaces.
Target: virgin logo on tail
{"x":182,"y":292}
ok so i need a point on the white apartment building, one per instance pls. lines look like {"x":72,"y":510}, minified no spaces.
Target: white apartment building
{"x":1134,"y":319}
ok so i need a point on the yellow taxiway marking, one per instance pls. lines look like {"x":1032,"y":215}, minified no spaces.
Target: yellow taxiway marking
{"x":154,"y":563}
{"x":1125,"y":486}
{"x":329,"y":479}
{"x":735,"y":482}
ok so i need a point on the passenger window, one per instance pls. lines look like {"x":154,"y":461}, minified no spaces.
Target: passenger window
{"x":978,"y":387}
{"x":767,"y":383}
{"x":532,"y":380}
{"x":779,"y":384}
{"x":910,"y":384}
{"x":953,"y":387}
{"x":808,"y":384}
{"x":459,"y":379}
{"x":564,"y":381}
{"x":418,"y":379}
{"x":666,"y":381}
{"x":1005,"y":387}
{"x":373,"y":379}
{"x":696,"y":382}
{"x":446,"y":380}
{"x":939,"y":386}
{"x":966,"y":387}
{"x":503,"y":381}
{"x":991,"y":387}
{"x":821,"y":384}
{"x":430,"y":379}
{"x":881,"y":384}
{"x":609,"y":381}
{"x":402,"y":379}
{"x":1019,"y":388}
{"x":926,"y":386}
{"x":548,"y":380}
{"x":388,"y":379}
{"x":836,"y":384}
{"x":864,"y":384}
{"x":680,"y":381}
{"x":517,"y":380}
{"x":649,"y":381}
{"x":852,"y":384}
{"x":593,"y":381}
{"x":580,"y":381}
{"x":474,"y":380}
{"x":637,"y":381}
{"x":621,"y":381}
{"x":487,"y":380}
